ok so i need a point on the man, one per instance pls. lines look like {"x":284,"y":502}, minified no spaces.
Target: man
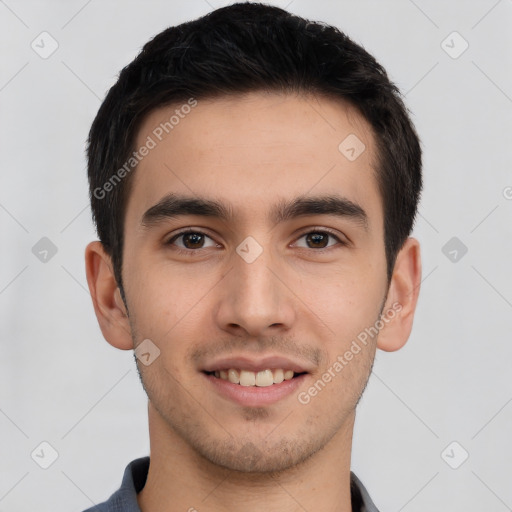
{"x":254,"y":180}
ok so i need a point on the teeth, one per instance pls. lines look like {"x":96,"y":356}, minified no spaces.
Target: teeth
{"x":247,"y":378}
{"x":278,"y":376}
{"x":264,"y":378}
{"x":234,"y":376}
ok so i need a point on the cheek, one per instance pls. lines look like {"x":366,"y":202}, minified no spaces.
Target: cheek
{"x":161,"y":295}
{"x":169,"y":308}
{"x":165,"y":387}
{"x":349,"y":312}
{"x":346,"y":305}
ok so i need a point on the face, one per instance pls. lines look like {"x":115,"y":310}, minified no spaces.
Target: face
{"x":281,"y":267}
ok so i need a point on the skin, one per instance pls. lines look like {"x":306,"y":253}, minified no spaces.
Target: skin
{"x":249,"y":151}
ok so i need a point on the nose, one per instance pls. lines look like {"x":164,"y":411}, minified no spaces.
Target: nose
{"x":256,"y":299}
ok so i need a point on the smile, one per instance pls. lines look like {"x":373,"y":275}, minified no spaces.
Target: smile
{"x":249,"y":378}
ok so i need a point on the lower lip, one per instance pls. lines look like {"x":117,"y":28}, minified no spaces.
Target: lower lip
{"x":254,"y":396}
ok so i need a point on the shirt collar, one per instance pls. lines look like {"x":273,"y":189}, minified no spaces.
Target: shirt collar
{"x":135,"y":475}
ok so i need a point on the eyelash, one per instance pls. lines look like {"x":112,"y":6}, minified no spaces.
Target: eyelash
{"x":323,"y":231}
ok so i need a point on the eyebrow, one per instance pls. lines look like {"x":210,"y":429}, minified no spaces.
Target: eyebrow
{"x":175,"y":205}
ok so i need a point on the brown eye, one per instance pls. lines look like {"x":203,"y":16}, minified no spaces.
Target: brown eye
{"x":317,"y":239}
{"x":320,"y":239}
{"x":191,"y":240}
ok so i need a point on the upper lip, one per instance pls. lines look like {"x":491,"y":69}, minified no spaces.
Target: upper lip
{"x":257,"y":364}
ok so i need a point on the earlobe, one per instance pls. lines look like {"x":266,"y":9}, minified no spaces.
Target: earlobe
{"x":398,"y":313}
{"x":108,"y":304}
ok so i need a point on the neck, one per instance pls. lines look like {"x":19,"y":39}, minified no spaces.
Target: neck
{"x":179,"y":479}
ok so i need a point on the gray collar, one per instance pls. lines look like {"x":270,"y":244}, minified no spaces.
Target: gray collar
{"x":134,"y":479}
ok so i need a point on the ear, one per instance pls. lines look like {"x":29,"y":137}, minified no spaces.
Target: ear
{"x":106,"y":297}
{"x":398,"y":313}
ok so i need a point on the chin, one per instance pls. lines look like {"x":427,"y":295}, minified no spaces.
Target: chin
{"x":263,"y":458}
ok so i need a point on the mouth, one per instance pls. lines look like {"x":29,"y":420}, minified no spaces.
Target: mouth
{"x":256,"y":382}
{"x":249,"y":378}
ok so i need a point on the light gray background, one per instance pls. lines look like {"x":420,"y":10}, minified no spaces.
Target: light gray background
{"x":60,"y":382}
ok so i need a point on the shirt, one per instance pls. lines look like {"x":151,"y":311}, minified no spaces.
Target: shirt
{"x":135,"y":475}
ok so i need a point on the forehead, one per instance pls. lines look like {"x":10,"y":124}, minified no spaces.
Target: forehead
{"x":250,"y":150}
